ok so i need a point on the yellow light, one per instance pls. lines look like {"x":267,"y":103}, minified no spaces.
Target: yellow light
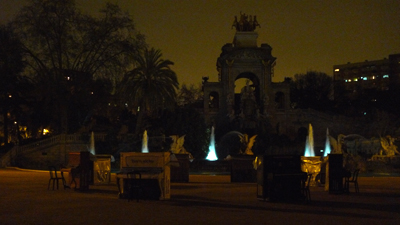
{"x":336,"y":70}
{"x":10,"y":96}
{"x":45,"y":131}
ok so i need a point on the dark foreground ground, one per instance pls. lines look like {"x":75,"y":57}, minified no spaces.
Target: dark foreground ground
{"x":24,"y":199}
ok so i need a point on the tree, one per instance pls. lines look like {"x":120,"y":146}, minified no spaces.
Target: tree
{"x":151,"y":86}
{"x":64,"y":46}
{"x":312,"y":90}
{"x":11,"y":65}
{"x":189,"y":95}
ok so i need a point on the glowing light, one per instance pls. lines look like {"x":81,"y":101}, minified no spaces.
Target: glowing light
{"x":45,"y":131}
{"x":309,"y":150}
{"x":327,"y":144}
{"x":92,"y":149}
{"x":337,"y":70}
{"x":145,"y":149}
{"x":211,"y":149}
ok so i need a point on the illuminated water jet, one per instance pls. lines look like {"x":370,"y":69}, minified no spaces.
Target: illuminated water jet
{"x":309,"y":150}
{"x":211,"y":149}
{"x":145,"y":149}
{"x":327,"y":144}
{"x":92,"y":149}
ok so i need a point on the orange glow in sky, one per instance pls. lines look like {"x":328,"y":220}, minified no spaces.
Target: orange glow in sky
{"x":304,"y":35}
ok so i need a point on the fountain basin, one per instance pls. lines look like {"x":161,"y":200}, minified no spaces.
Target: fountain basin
{"x":311,"y":165}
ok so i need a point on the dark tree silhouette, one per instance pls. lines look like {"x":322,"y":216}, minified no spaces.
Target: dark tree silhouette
{"x":11,"y":82}
{"x":66,"y":50}
{"x":312,"y":90}
{"x":150,"y":87}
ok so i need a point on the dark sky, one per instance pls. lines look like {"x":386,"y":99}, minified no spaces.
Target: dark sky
{"x":305,"y":35}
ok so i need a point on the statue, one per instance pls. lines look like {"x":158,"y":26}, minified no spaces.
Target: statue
{"x":177,"y":146}
{"x":247,"y":143}
{"x":388,"y":146}
{"x":245,"y":23}
{"x":248,"y":103}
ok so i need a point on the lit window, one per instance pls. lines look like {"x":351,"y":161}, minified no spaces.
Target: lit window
{"x":336,"y":70}
{"x":68,"y":78}
{"x":91,"y":92}
{"x":373,"y":77}
{"x":386,"y":76}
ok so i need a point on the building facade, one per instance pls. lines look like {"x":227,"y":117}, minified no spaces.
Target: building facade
{"x":375,"y":75}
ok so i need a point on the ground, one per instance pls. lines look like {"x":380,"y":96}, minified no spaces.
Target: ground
{"x":205,"y":199}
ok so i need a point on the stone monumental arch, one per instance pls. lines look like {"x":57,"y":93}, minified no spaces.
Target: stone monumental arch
{"x":259,"y":99}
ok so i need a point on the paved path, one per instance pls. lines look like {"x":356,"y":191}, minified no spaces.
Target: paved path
{"x":24,"y":199}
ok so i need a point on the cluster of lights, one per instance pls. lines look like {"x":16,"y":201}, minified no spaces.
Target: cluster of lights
{"x":45,"y":131}
{"x":364,"y":78}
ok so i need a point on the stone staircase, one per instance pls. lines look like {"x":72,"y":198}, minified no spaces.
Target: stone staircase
{"x":52,"y":149}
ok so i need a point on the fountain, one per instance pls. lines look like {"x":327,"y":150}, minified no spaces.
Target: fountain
{"x":91,"y":145}
{"x":211,"y":153}
{"x":309,"y":150}
{"x":145,"y":149}
{"x":311,"y":164}
{"x":327,"y":144}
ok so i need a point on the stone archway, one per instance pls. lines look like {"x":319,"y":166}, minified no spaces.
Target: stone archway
{"x":247,"y":96}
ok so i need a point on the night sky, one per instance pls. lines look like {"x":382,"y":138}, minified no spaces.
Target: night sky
{"x":305,"y":35}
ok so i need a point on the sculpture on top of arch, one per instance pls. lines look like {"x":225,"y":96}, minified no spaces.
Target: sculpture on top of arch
{"x":245,"y":23}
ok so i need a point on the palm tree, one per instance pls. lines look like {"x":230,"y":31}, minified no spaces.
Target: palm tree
{"x":151,"y":86}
